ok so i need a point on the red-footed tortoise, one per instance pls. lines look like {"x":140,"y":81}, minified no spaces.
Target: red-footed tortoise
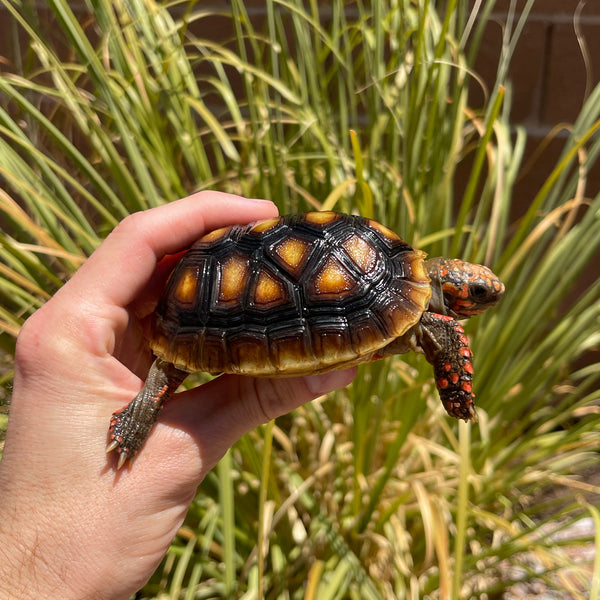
{"x":303,"y":294}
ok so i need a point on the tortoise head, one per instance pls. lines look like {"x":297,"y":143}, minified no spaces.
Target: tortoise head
{"x":462,"y":289}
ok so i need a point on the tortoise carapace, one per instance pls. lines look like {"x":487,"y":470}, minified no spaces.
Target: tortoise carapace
{"x":303,"y":294}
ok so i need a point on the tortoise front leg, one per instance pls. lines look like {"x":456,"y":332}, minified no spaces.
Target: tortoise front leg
{"x":447,"y":348}
{"x":130,"y":426}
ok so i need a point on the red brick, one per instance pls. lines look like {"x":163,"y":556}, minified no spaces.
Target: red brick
{"x":486,"y":64}
{"x":527,"y":71}
{"x":566,"y":79}
{"x":545,"y":7}
{"x":566,"y":7}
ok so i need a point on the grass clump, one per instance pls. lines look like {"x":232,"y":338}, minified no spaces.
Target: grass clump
{"x":373,"y":492}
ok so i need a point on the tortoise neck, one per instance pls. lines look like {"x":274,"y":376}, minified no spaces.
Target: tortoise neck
{"x":436,"y":267}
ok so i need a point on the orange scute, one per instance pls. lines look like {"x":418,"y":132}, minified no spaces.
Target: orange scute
{"x":185,"y":291}
{"x":215,"y":236}
{"x":333,"y":278}
{"x":265,"y":225}
{"x":293,"y":252}
{"x":417,"y":264}
{"x":234,"y":277}
{"x":361,"y":253}
{"x":386,"y":231}
{"x":321,"y":218}
{"x":268,"y":290}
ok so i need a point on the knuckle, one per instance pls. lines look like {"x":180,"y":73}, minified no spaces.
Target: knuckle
{"x":31,"y":340}
{"x":133,"y":223}
{"x":46,"y":338}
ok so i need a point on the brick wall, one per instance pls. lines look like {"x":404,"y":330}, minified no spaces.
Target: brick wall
{"x":550,"y":72}
{"x":549,"y":67}
{"x":556,"y":63}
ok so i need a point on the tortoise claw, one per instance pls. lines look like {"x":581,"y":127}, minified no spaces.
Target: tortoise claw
{"x":112,"y":446}
{"x":122,"y":458}
{"x":123,"y":453}
{"x":472,"y":414}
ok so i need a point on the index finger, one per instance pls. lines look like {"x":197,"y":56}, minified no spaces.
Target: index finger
{"x":122,"y":265}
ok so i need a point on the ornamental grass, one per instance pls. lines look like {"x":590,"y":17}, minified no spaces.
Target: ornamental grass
{"x":373,"y":492}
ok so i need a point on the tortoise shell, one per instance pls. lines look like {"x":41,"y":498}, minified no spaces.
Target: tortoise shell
{"x":293,"y":295}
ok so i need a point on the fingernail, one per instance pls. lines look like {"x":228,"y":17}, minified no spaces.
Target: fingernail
{"x":327,"y":382}
{"x":259,"y":201}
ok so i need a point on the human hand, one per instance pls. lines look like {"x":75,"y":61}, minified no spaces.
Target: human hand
{"x":72,"y":527}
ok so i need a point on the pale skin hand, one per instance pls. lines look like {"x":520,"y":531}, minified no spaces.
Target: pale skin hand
{"x":71,"y":525}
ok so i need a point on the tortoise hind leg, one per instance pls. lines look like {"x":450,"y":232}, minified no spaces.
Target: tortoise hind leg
{"x":130,"y":426}
{"x":447,"y":348}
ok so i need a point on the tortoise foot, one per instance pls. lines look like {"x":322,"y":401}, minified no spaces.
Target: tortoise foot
{"x":130,"y":426}
{"x":447,"y":348}
{"x":126,"y":435}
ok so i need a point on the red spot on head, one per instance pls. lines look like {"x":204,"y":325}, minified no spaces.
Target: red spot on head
{"x":442,"y":383}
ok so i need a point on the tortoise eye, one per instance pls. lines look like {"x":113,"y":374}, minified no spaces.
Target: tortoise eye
{"x":477,"y":292}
